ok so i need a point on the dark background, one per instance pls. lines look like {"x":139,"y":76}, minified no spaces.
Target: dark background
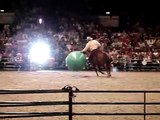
{"x":146,"y":12}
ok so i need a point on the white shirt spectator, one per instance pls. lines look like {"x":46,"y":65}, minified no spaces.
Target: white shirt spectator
{"x":150,"y":42}
{"x":141,"y":44}
{"x":119,"y":44}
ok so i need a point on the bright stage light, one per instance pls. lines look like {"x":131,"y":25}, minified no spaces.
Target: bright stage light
{"x":40,"y":20}
{"x":39,"y":53}
{"x":1,"y":10}
{"x":108,"y":13}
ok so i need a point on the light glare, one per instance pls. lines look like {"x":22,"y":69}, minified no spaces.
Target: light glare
{"x":1,"y":10}
{"x":39,"y":53}
{"x":40,"y":20}
{"x":107,"y":13}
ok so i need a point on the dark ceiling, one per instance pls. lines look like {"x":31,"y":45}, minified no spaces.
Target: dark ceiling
{"x":132,"y":8}
{"x":97,"y":6}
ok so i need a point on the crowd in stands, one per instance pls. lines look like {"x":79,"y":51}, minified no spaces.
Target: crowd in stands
{"x":68,"y":33}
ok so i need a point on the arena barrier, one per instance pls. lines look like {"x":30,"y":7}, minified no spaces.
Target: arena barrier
{"x":72,"y":92}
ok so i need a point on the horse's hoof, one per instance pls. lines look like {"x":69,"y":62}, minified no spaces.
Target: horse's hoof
{"x":109,"y":75}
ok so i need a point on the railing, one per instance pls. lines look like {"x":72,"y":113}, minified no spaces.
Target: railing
{"x":32,"y":114}
{"x":71,"y":93}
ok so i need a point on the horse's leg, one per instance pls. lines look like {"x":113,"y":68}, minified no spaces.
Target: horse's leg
{"x":96,"y":71}
{"x":100,"y":70}
{"x":95,"y":68}
{"x":108,"y":65}
{"x":108,"y":69}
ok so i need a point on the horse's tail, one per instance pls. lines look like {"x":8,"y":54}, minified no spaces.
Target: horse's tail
{"x":108,"y":58}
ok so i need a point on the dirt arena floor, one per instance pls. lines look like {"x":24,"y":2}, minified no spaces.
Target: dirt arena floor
{"x":84,"y":81}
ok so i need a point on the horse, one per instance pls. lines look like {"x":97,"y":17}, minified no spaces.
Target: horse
{"x":100,"y":60}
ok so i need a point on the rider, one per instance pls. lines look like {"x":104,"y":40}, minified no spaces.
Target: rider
{"x":91,"y":45}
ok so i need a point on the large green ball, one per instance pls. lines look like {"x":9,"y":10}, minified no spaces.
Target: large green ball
{"x":76,"y":61}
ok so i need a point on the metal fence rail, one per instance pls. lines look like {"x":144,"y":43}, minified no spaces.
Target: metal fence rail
{"x":31,"y":103}
{"x":71,"y":93}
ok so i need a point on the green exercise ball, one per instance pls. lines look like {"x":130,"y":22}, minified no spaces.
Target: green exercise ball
{"x":76,"y":60}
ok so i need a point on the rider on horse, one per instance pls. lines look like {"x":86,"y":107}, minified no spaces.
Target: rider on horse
{"x":98,"y":58}
{"x":91,"y":45}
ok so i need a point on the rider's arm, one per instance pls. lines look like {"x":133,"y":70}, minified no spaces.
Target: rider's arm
{"x":86,"y":47}
{"x":99,"y":44}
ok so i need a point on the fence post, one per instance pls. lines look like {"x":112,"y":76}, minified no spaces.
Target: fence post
{"x":144,"y":105}
{"x":70,"y":102}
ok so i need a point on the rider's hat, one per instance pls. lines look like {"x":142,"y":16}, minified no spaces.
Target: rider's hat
{"x":89,"y":38}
